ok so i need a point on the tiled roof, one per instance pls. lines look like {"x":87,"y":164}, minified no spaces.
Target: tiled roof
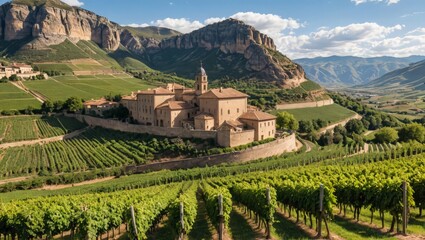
{"x":99,"y":102}
{"x":175,"y":86}
{"x":176,"y":105}
{"x":156,"y":91}
{"x":223,"y":93}
{"x":257,"y":115}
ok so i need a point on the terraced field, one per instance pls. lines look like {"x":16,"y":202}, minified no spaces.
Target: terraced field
{"x":87,"y":87}
{"x":331,"y":113}
{"x":12,"y":97}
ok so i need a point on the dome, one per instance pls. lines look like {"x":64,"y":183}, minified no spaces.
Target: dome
{"x":202,"y":71}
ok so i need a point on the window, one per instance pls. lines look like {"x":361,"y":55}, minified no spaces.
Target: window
{"x":197,"y":87}
{"x":228,"y":111}
{"x":238,"y":110}
{"x":221,"y":111}
{"x":269,"y":126}
{"x":205,"y":87}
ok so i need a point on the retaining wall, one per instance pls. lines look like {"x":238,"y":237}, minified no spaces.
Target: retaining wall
{"x":305,"y":104}
{"x":274,"y":148}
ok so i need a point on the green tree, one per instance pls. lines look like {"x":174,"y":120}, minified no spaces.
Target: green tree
{"x":305,"y":126}
{"x":74,"y":104}
{"x":355,"y":126}
{"x":13,"y":77}
{"x":386,"y":135}
{"x":414,"y":131}
{"x":47,"y":106}
{"x":286,"y":121}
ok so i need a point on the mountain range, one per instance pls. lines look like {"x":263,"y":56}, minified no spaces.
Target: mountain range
{"x":339,"y":71}
{"x":409,"y":78}
{"x":50,"y":30}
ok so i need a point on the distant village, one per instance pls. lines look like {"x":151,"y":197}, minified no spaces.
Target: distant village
{"x":224,"y":110}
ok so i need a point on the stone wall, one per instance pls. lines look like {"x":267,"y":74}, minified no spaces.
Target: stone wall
{"x":271,"y":149}
{"x":233,"y":139}
{"x":133,"y":128}
{"x":304,"y":104}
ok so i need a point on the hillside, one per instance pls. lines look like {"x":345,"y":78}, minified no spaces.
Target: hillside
{"x":336,"y":71}
{"x":411,"y":77}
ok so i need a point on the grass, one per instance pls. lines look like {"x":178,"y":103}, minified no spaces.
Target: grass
{"x":87,"y":87}
{"x":12,"y":97}
{"x":310,"y":85}
{"x":331,"y":113}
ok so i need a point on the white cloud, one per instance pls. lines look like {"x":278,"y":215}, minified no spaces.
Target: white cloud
{"x":77,"y":3}
{"x":183,"y":25}
{"x":363,"y":40}
{"x":213,"y":20}
{"x":137,"y":25}
{"x":388,"y":2}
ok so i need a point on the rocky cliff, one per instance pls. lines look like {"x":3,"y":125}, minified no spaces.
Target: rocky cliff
{"x":50,"y":22}
{"x":232,"y":45}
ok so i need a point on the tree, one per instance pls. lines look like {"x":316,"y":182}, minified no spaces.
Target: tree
{"x":305,"y":126}
{"x":326,"y":138}
{"x":355,"y":126}
{"x":414,"y":131}
{"x":58,"y":105}
{"x":74,"y":104}
{"x":286,"y":121}
{"x":47,"y":106}
{"x":13,"y":77}
{"x":386,"y":135}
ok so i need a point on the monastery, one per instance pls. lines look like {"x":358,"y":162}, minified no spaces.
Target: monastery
{"x":21,"y":70}
{"x":224,"y":110}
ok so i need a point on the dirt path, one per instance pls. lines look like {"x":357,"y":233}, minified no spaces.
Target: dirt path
{"x":260,"y":233}
{"x":62,"y":186}
{"x":21,"y":86}
{"x":44,"y":140}
{"x":12,"y":180}
{"x":308,"y":145}
{"x":311,"y":232}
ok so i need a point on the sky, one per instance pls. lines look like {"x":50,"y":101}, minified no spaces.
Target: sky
{"x":299,"y":28}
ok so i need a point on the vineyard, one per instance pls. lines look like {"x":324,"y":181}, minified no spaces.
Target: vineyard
{"x":15,"y":129}
{"x":332,"y":196}
{"x":96,"y":148}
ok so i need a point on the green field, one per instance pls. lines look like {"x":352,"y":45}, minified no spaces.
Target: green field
{"x":12,"y":97}
{"x":87,"y":87}
{"x":331,"y":113}
{"x":19,"y":128}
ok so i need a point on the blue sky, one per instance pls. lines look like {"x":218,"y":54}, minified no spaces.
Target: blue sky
{"x":300,"y":28}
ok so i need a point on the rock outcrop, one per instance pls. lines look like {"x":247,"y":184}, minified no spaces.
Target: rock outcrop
{"x":232,"y":36}
{"x":49,"y":24}
{"x":139,"y":44}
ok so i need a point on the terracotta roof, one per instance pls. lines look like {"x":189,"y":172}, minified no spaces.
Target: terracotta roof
{"x":257,"y":115}
{"x":99,"y":102}
{"x":174,"y":86}
{"x":156,"y":91}
{"x":190,"y":92}
{"x":223,"y":93}
{"x":204,"y":116}
{"x":176,"y":105}
{"x":129,"y":97}
{"x":234,"y":123}
{"x":229,"y":125}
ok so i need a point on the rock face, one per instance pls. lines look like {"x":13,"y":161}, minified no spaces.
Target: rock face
{"x":246,"y":47}
{"x":138,"y":44}
{"x":49,"y":25}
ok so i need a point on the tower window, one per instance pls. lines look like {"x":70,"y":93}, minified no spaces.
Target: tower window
{"x":205,"y":87}
{"x":228,"y":111}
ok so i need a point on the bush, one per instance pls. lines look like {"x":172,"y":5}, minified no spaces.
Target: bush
{"x":414,"y":132}
{"x":386,"y":135}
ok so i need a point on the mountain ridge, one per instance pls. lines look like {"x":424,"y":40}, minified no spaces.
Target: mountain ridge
{"x":336,"y":71}
{"x":231,"y":48}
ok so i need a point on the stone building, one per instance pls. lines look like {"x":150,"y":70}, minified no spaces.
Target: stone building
{"x":21,"y":70}
{"x":224,"y":110}
{"x":96,"y":107}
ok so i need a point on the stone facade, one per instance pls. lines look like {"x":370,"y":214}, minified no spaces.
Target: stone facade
{"x":223,"y":110}
{"x":21,"y":70}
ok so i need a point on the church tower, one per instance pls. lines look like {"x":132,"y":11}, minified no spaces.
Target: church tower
{"x":201,"y":82}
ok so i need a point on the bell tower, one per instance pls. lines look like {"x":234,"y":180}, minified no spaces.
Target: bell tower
{"x":201,"y":82}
